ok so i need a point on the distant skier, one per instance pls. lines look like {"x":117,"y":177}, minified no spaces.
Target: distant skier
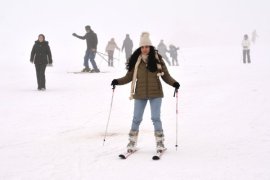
{"x":145,"y":69}
{"x":162,"y":49}
{"x":111,"y":46}
{"x":246,"y":49}
{"x":254,"y":36}
{"x":128,"y":46}
{"x":173,"y":53}
{"x":91,"y":41}
{"x":41,"y":56}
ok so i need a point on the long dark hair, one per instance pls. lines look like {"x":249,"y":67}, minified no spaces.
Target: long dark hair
{"x":42,"y":36}
{"x":152,"y":60}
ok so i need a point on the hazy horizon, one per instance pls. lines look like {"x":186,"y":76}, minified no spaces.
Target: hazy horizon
{"x":187,"y":24}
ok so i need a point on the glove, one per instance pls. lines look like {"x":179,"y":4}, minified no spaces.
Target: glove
{"x":176,"y":85}
{"x":114,"y":82}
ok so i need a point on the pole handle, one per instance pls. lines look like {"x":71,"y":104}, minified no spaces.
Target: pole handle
{"x":175,"y":91}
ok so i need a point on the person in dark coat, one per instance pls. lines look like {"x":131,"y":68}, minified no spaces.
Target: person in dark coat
{"x":41,"y":56}
{"x":173,"y":53}
{"x":91,"y":42}
{"x":127,"y":45}
{"x":145,"y":69}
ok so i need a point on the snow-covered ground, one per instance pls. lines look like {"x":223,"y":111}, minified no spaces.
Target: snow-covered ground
{"x":224,"y":128}
{"x":223,"y":122}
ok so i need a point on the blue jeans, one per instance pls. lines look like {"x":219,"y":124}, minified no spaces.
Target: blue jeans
{"x":89,"y":54}
{"x":139,"y":106}
{"x":246,"y":55}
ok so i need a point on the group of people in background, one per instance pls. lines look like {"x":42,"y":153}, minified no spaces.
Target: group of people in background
{"x":128,"y":47}
{"x":162,"y":49}
{"x":41,"y":54}
{"x":91,"y":41}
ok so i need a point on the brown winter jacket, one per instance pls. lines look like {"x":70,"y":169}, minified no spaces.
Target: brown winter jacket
{"x":148,"y":84}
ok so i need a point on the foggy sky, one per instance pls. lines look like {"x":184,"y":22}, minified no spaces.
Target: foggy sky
{"x":185,"y":22}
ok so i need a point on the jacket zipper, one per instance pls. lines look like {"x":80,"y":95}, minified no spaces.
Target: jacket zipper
{"x":146,"y":83}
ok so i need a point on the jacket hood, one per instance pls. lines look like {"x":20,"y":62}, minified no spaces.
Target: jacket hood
{"x":44,"y":42}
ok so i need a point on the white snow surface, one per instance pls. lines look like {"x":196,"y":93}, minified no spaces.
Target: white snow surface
{"x":223,"y":121}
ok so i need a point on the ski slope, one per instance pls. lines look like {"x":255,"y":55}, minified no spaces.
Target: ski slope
{"x":223,"y":130}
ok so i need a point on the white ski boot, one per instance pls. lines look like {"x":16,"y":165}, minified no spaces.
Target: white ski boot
{"x":133,"y":136}
{"x":159,"y":141}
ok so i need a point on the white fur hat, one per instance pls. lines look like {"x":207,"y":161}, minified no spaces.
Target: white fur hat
{"x":145,"y":40}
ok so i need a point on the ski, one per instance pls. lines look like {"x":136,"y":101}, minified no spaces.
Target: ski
{"x":158,"y":154}
{"x":79,"y":72}
{"x":125,"y":155}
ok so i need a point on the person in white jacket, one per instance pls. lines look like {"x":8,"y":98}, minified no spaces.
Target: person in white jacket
{"x":254,"y":36}
{"x":111,"y":46}
{"x":246,"y":49}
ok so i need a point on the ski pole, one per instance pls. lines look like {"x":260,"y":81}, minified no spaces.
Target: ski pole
{"x":100,"y":53}
{"x":102,"y":57}
{"x":176,"y":130}
{"x":106,"y":131}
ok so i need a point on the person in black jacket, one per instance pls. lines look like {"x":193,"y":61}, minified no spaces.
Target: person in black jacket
{"x":41,"y":56}
{"x":91,"y":41}
{"x":127,"y":45}
{"x":173,"y":53}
